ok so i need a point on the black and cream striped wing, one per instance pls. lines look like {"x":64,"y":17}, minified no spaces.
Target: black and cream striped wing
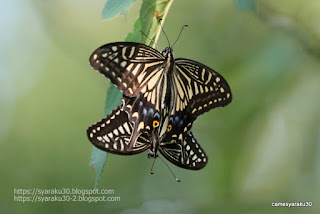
{"x":188,"y":155}
{"x":198,"y":88}
{"x":112,"y":134}
{"x":130,"y":66}
{"x":147,"y":107}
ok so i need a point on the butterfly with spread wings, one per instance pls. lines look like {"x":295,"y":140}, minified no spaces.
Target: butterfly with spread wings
{"x":162,"y":97}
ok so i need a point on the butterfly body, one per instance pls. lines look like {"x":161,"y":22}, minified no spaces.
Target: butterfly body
{"x":162,"y":96}
{"x":169,"y":60}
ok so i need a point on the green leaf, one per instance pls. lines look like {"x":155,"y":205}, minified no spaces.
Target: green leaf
{"x":113,"y":99}
{"x":115,"y":7}
{"x":151,"y":11}
{"x":135,"y":36}
{"x":98,"y":157}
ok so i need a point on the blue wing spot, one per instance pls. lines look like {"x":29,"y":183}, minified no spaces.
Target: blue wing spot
{"x":151,"y":112}
{"x":156,"y":115}
{"x":144,"y":112}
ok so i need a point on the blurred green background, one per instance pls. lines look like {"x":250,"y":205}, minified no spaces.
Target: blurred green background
{"x":264,"y":147}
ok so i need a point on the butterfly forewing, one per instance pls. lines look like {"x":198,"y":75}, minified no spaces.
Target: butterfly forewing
{"x":198,"y":88}
{"x":188,"y":155}
{"x":112,"y":134}
{"x":130,"y":66}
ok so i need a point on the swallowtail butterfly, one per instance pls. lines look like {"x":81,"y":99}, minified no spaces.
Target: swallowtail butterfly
{"x":162,"y":96}
{"x":113,"y":134}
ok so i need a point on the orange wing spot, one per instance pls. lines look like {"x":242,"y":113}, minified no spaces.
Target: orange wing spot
{"x":169,"y":128}
{"x":155,"y":123}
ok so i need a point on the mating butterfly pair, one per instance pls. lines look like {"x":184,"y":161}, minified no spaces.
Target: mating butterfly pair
{"x":162,"y":97}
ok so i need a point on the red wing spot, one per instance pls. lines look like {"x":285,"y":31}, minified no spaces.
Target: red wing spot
{"x":156,"y":14}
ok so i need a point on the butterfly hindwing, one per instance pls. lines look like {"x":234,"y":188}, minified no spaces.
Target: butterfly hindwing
{"x":112,"y":134}
{"x":130,"y":66}
{"x":188,"y":155}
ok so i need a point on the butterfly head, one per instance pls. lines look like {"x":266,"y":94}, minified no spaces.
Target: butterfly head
{"x":169,"y":59}
{"x":168,"y":52}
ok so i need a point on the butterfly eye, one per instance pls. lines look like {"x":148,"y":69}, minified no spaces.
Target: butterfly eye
{"x":169,"y":128}
{"x":155,"y":123}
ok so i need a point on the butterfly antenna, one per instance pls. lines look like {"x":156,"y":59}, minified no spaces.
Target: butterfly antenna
{"x":179,"y":34}
{"x":151,"y":171}
{"x":164,"y":32}
{"x":170,"y":170}
{"x":150,"y":39}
